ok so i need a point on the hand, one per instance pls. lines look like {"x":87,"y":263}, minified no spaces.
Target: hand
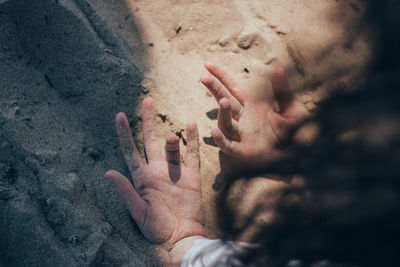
{"x":165,"y":199}
{"x":249,"y":128}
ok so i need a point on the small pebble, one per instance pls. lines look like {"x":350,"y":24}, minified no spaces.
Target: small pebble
{"x":93,"y":152}
{"x":56,"y":216}
{"x":73,"y":240}
{"x":106,"y":228}
{"x":246,"y":40}
{"x":223,"y":42}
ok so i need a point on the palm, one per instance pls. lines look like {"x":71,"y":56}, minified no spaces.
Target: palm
{"x":160,"y":194}
{"x":249,"y":128}
{"x":257,"y":133}
{"x":166,"y":200}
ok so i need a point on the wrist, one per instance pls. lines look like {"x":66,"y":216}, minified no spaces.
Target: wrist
{"x":181,"y":247}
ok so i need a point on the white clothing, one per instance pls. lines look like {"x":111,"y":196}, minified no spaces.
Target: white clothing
{"x":212,"y":253}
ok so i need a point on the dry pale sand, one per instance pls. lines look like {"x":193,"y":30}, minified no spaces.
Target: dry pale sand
{"x":68,"y":66}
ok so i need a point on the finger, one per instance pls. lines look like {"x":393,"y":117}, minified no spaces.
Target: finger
{"x":225,"y":123}
{"x":148,"y":124}
{"x":226,"y":146}
{"x":230,"y":84}
{"x":283,"y":94}
{"x":136,"y":205}
{"x":192,"y":150}
{"x":219,"y":92}
{"x":173,"y":157}
{"x":128,"y":147}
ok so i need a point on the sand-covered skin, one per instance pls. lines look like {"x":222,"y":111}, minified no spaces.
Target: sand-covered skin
{"x":67,"y":67}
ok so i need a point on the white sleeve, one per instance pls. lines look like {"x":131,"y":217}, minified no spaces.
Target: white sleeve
{"x":214,"y":253}
{"x":219,"y":253}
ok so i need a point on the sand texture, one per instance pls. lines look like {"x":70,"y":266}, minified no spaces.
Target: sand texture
{"x":64,"y":76}
{"x":67,"y":67}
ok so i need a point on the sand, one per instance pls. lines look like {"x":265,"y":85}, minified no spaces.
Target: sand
{"x":67,"y":67}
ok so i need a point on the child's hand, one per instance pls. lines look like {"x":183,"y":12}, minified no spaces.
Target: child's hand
{"x":165,"y":198}
{"x":255,"y":128}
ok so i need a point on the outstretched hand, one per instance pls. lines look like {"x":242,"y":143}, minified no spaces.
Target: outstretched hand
{"x":165,"y":198}
{"x":249,"y":128}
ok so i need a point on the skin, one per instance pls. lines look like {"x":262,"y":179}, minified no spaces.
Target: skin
{"x":165,"y":197}
{"x":248,"y":128}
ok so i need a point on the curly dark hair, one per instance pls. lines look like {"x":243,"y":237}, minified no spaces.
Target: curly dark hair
{"x":349,"y":208}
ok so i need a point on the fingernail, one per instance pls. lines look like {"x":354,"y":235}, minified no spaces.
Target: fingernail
{"x":191,"y":124}
{"x":208,"y":62}
{"x":225,"y":103}
{"x":172,"y":143}
{"x":205,"y":78}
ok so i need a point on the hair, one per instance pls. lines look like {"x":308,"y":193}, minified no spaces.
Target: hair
{"x":348,"y":211}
